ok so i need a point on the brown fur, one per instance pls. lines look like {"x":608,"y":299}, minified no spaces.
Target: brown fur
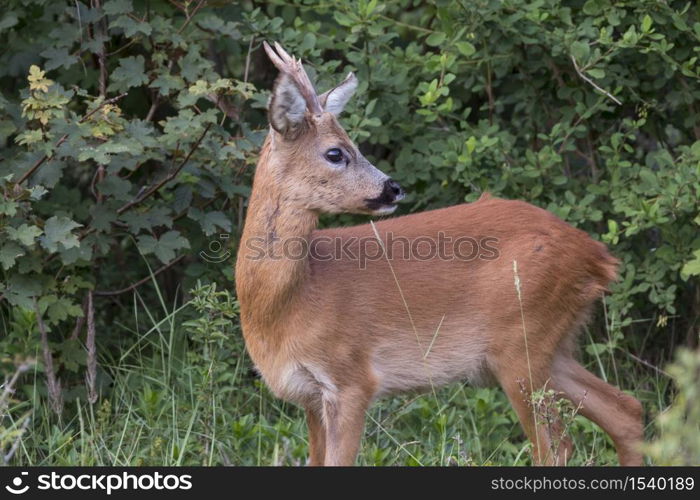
{"x":332,"y":336}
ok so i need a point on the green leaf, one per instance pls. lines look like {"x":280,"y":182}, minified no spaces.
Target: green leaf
{"x":129,"y":73}
{"x":465,"y":48}
{"x":21,"y":289}
{"x":692,"y":267}
{"x":92,"y":153}
{"x":72,"y":354}
{"x":58,"y":309}
{"x":593,"y":7}
{"x":193,"y":66}
{"x":28,"y":137}
{"x":115,"y":186}
{"x":37,"y":192}
{"x":25,"y":234}
{"x":103,"y":153}
{"x":9,"y":253}
{"x":580,"y":50}
{"x":114,"y":7}
{"x":435,"y":39}
{"x":58,"y":58}
{"x":210,"y":220}
{"x":131,"y":26}
{"x":8,"y":208}
{"x":343,"y":19}
{"x":8,"y":21}
{"x":596,"y":73}
{"x":58,"y":231}
{"x":156,"y":216}
{"x":73,"y":255}
{"x":646,"y":23}
{"x":167,"y":83}
{"x":102,"y":217}
{"x":308,"y":43}
{"x":164,"y":248}
{"x":183,"y":197}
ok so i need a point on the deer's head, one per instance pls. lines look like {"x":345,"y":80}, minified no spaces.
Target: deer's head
{"x":317,"y":166}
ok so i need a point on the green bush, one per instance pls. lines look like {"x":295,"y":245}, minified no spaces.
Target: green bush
{"x":129,"y":131}
{"x":679,"y":427}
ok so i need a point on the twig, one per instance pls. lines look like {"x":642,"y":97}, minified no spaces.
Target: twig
{"x":406,"y":25}
{"x":15,"y":446}
{"x":595,"y":86}
{"x":649,"y":365}
{"x":97,"y":178}
{"x":42,"y":160}
{"x":107,"y":293}
{"x":489,"y":92}
{"x":225,"y":106}
{"x":247,"y":59}
{"x":156,"y":97}
{"x":53,"y":384}
{"x":101,"y":57}
{"x":125,"y":46}
{"x":152,"y":109}
{"x":9,"y":386}
{"x":190,"y":16}
{"x":167,"y":178}
{"x":80,"y":321}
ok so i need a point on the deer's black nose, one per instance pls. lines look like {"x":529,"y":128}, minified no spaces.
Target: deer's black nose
{"x":394,"y":189}
{"x":390,"y":195}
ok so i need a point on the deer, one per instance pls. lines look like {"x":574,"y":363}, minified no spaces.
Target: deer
{"x":332,"y":336}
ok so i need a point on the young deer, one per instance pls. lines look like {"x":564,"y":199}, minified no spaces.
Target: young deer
{"x":331,"y":333}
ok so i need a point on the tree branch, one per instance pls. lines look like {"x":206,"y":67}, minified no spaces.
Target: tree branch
{"x":167,"y":178}
{"x":134,"y":286}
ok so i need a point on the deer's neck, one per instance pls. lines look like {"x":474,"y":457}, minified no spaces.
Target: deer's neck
{"x":272,"y":264}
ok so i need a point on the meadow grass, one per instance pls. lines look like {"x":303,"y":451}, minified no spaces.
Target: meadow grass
{"x":182,"y":391}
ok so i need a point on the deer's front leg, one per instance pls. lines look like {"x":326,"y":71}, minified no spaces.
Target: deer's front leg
{"x":344,"y":419}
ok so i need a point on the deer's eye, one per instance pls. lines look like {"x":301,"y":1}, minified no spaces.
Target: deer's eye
{"x":334,"y":155}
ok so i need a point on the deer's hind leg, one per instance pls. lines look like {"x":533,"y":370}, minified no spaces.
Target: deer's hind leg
{"x":619,"y":414}
{"x":542,"y":426}
{"x":522,"y":364}
{"x":317,"y":436}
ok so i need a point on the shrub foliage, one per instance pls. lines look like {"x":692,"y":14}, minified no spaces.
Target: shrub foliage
{"x":129,"y":131}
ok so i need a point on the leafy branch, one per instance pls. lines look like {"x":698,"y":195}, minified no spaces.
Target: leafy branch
{"x":63,"y":139}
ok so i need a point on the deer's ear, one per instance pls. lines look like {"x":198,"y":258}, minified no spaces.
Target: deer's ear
{"x":287,"y":105}
{"x":335,"y":99}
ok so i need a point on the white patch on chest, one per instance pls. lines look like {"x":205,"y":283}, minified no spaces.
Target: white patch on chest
{"x":301,"y":383}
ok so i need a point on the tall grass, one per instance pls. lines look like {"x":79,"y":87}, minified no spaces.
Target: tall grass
{"x":181,"y":391}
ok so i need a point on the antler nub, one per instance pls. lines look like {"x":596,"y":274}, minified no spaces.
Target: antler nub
{"x":293,"y":68}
